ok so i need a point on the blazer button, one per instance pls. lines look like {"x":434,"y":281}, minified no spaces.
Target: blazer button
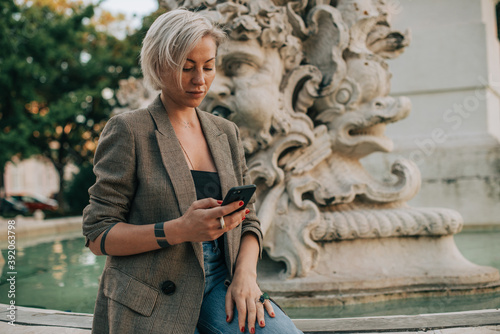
{"x":168,"y":287}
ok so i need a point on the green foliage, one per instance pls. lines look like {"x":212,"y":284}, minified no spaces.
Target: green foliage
{"x":53,"y":69}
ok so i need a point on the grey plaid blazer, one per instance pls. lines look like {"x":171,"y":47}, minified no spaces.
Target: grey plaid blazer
{"x":143,"y":178}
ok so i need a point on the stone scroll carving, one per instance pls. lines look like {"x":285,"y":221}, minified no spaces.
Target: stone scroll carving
{"x":308,"y":85}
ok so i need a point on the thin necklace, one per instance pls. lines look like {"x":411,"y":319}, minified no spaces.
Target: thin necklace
{"x":187,"y":155}
{"x":187,"y":125}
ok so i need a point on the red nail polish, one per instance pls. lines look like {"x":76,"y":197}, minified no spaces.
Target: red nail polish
{"x":262,"y":324}
{"x":247,"y":211}
{"x":244,"y":218}
{"x":242,"y":329}
{"x":219,"y":202}
{"x":241,"y":203}
{"x":227,"y":318}
{"x":272,"y":314}
{"x":252,"y":330}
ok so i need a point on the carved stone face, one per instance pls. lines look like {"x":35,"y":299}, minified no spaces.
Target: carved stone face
{"x":246,"y":89}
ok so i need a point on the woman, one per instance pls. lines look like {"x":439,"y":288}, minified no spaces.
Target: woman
{"x":178,"y":262}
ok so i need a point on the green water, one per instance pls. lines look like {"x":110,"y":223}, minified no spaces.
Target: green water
{"x":61,"y":275}
{"x":64,"y":275}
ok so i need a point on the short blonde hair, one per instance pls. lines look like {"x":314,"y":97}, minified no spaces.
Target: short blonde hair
{"x":169,"y":40}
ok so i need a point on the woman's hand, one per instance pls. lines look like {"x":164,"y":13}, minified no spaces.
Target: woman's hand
{"x":244,"y":291}
{"x":201,"y":222}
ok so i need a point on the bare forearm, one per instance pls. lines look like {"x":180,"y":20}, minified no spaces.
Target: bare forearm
{"x":200,"y":223}
{"x":248,"y":255}
{"x":127,"y":239}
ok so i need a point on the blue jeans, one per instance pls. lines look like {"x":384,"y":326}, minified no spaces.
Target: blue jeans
{"x":212,"y":318}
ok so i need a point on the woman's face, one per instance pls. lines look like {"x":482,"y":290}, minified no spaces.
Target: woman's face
{"x":198,"y":72}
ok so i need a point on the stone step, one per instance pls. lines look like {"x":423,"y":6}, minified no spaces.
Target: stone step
{"x":40,"y":321}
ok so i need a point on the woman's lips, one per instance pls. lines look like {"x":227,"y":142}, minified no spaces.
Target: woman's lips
{"x":197,"y":94}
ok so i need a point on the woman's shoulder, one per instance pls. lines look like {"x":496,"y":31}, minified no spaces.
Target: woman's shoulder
{"x":135,"y":119}
{"x":222,"y":123}
{"x":131,"y":115}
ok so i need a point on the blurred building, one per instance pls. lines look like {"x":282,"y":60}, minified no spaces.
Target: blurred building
{"x":451,"y":73}
{"x":32,"y":176}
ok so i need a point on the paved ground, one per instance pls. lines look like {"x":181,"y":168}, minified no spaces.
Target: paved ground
{"x":36,"y":321}
{"x":7,"y":329}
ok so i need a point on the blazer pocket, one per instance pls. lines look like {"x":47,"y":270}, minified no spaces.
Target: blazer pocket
{"x":129,"y":291}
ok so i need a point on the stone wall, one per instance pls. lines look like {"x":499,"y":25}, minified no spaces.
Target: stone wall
{"x":451,"y":73}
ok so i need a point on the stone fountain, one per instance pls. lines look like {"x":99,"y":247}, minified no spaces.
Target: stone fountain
{"x":308,"y":84}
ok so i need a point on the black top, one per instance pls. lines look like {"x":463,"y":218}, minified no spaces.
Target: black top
{"x":207,"y":184}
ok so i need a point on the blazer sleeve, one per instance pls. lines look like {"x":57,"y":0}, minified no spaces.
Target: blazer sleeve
{"x":251,"y":223}
{"x":115,"y":170}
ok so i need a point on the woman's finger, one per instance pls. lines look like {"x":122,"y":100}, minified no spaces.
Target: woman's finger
{"x":229,"y":307}
{"x":235,"y":219}
{"x":252,"y":313}
{"x":269,"y":308}
{"x":225,"y":210}
{"x":260,"y":313}
{"x":242,"y":314}
{"x":206,"y":203}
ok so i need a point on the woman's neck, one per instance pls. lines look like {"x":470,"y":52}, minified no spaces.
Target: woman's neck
{"x":179,"y":114}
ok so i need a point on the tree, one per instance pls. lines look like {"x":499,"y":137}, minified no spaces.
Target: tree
{"x":57,"y":80}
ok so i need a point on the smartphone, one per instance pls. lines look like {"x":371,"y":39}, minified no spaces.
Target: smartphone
{"x":240,"y":193}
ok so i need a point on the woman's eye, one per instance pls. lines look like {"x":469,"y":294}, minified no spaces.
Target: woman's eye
{"x":192,"y":68}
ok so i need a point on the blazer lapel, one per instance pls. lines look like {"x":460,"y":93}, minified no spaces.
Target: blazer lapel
{"x":172,"y":157}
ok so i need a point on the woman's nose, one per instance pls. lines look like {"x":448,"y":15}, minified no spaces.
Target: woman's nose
{"x":221,"y":87}
{"x":198,"y":78}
